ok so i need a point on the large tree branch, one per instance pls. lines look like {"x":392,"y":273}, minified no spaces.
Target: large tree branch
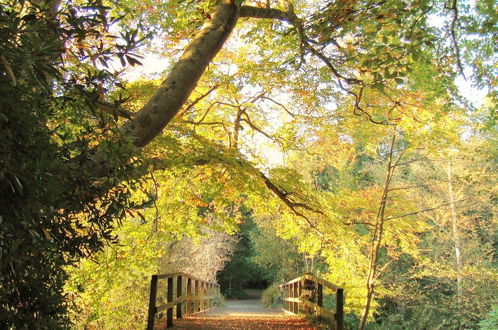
{"x":270,"y":13}
{"x":176,"y":88}
{"x":174,"y":91}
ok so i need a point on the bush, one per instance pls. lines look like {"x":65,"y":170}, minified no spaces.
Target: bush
{"x":491,"y":321}
{"x":219,"y":302}
{"x":272,"y":296}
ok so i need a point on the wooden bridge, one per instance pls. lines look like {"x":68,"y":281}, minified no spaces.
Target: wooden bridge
{"x":182,"y":301}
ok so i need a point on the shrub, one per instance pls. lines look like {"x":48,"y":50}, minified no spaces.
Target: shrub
{"x":491,"y":321}
{"x":272,"y":296}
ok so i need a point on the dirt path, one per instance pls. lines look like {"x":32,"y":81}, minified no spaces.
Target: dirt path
{"x":242,"y":314}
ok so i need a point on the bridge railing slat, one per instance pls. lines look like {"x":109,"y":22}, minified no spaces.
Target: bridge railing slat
{"x":196,"y":292}
{"x":305,"y":294}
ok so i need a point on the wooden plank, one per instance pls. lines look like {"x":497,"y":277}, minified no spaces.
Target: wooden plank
{"x":184,"y":275}
{"x":196,"y":278}
{"x":210,"y":297}
{"x":163,"y":276}
{"x":312,"y":278}
{"x":321,"y":281}
{"x":299,"y":294}
{"x":199,"y":297}
{"x":291,"y":281}
{"x":316,"y":309}
{"x":319,"y":310}
{"x":202,"y":295}
{"x":169,"y":305}
{"x":296,"y":293}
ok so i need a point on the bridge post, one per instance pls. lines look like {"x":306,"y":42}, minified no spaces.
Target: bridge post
{"x":211,"y":295}
{"x":305,"y":294}
{"x":152,"y":302}
{"x":300,"y":294}
{"x":188,"y":298}
{"x":196,"y":296}
{"x":202,"y":304}
{"x":179,"y":295}
{"x":319,"y":297}
{"x":208,"y":294}
{"x":169,"y":313}
{"x":339,"y":312}
{"x":287,"y":294}
{"x":295,"y":294}
{"x":308,"y":295}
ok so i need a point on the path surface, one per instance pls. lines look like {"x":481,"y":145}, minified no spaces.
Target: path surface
{"x":242,"y":314}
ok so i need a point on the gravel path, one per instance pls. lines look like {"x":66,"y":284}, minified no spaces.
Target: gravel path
{"x":242,"y":314}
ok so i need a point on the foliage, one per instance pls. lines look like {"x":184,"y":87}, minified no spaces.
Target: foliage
{"x":491,"y":321}
{"x":240,"y":272}
{"x":51,"y":211}
{"x":446,"y":294}
{"x":271,"y":125}
{"x":111,"y":290}
{"x":279,"y":259}
{"x":272,"y":296}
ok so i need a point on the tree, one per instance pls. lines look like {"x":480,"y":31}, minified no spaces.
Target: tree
{"x":458,"y":257}
{"x":67,"y":151}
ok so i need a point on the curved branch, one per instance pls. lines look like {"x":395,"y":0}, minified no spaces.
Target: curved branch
{"x":254,"y":127}
{"x":293,"y":115}
{"x":198,"y":99}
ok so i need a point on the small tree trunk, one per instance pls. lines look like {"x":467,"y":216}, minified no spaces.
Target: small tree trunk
{"x":455,"y":233}
{"x":377,"y":238}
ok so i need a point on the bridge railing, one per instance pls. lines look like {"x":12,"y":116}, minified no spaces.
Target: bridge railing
{"x":180,"y":293}
{"x":305,"y":295}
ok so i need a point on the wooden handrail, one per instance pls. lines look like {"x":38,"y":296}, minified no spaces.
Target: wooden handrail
{"x":192,"y":295}
{"x":305,"y":294}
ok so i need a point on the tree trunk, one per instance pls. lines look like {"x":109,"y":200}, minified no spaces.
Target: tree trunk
{"x":377,"y":238}
{"x":455,"y":233}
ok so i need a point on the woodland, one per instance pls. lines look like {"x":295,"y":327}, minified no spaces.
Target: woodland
{"x":354,"y":139}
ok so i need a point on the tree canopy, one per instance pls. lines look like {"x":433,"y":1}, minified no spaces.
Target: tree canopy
{"x":349,"y":97}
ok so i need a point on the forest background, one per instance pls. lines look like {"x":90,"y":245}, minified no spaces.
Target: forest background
{"x":286,"y":137}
